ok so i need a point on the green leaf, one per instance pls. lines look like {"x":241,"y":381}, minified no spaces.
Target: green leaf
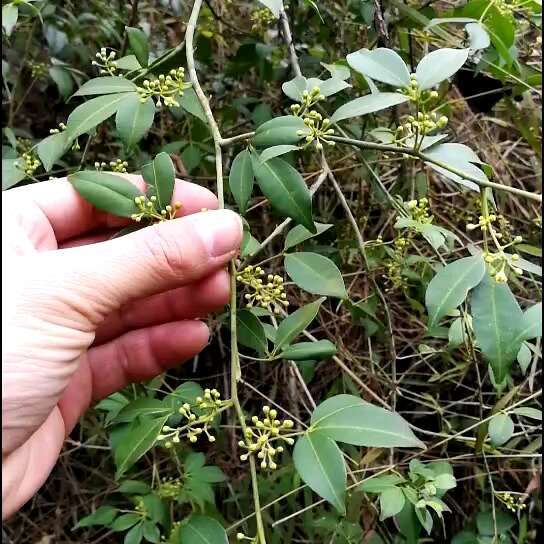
{"x":300,"y":234}
{"x":241,"y":179}
{"x":368,"y":104}
{"x":122,"y":523}
{"x":160,"y":175}
{"x":102,"y":516}
{"x":139,"y":44}
{"x":486,"y":524}
{"x":128,"y":62}
{"x":478,"y":38}
{"x":134,"y":487}
{"x":295,"y":323}
{"x":276,"y":151}
{"x":425,"y":518}
{"x":52,"y":148}
{"x":190,"y":103}
{"x":106,"y":85}
{"x":134,"y":119}
{"x":380,"y":64}
{"x":12,"y":173}
{"x":89,"y":114}
{"x":377,"y":484}
{"x":391,"y":502}
{"x":285,"y":189}
{"x":156,"y":508}
{"x":450,"y":287}
{"x":10,"y":14}
{"x":532,"y":413}
{"x":497,"y":320}
{"x":251,"y":332}
{"x":107,"y":192}
{"x":445,"y":481}
{"x":524,"y":357}
{"x":315,"y":274}
{"x":151,"y":532}
{"x":349,"y":419}
{"x":279,"y":131}
{"x":186,"y":392}
{"x":62,"y":78}
{"x":135,"y":535}
{"x":323,"y":349}
{"x":320,"y":464}
{"x":143,"y":407}
{"x":295,"y":88}
{"x":135,"y":441}
{"x":501,"y":428}
{"x":439,"y":65}
{"x":408,"y":523}
{"x":203,"y":530}
{"x":531,"y":322}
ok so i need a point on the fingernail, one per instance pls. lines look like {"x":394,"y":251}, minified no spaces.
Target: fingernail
{"x":220,"y":230}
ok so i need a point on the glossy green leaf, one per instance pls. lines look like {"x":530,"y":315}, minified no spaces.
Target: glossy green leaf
{"x":151,"y":532}
{"x":52,"y":148}
{"x":279,"y":131}
{"x":186,"y":392}
{"x":391,"y":502}
{"x":300,"y":234}
{"x":439,"y":65}
{"x":241,"y":179}
{"x":377,"y":484}
{"x":135,"y":535}
{"x":531,"y":413}
{"x":349,"y":419}
{"x":478,"y":37}
{"x":139,"y":44}
{"x":134,"y":119}
{"x":107,"y":192}
{"x":531,"y":322}
{"x":501,"y":428}
{"x":63,"y":80}
{"x":134,"y":487}
{"x":160,"y":175}
{"x":12,"y":173}
{"x":295,"y":88}
{"x":128,"y":62}
{"x":524,"y":357}
{"x":203,"y":530}
{"x":106,"y":85}
{"x":251,"y":332}
{"x":320,"y":464}
{"x":143,"y":407}
{"x":122,"y":523}
{"x":450,"y":286}
{"x":315,"y":274}
{"x":285,"y":189}
{"x":89,"y":114}
{"x":191,"y":104}
{"x":381,"y":64}
{"x":104,"y":515}
{"x":486,"y":523}
{"x":10,"y":14}
{"x":276,"y":151}
{"x":303,"y":351}
{"x":295,"y":323}
{"x":135,"y":441}
{"x":368,"y":104}
{"x":497,"y":320}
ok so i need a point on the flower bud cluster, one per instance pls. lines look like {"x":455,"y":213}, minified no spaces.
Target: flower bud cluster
{"x":510,"y":502}
{"x":169,"y":488}
{"x":261,"y":437}
{"x":30,"y":163}
{"x":395,"y":264}
{"x":269,"y":295}
{"x":62,"y":128}
{"x":197,"y":418}
{"x":415,"y":94}
{"x":106,"y":62}
{"x":165,"y":88}
{"x":309,"y":99}
{"x":419,"y":210}
{"x":261,"y":19}
{"x":37,"y":69}
{"x":318,"y":130}
{"x":148,"y":209}
{"x":240,"y":537}
{"x":115,"y":166}
{"x":421,"y":125}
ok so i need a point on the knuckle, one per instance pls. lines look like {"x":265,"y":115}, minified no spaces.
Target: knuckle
{"x":167,"y":253}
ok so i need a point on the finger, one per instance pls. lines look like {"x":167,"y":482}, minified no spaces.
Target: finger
{"x":88,"y":239}
{"x":97,"y":279}
{"x":70,"y":215}
{"x":196,"y":300}
{"x":136,"y":356}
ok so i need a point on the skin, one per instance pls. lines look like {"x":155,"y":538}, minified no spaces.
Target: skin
{"x":83,"y":315}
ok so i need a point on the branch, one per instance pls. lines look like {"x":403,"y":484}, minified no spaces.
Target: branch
{"x":414,"y":153}
{"x":289,"y":42}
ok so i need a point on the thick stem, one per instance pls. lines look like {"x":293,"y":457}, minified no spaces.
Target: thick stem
{"x":234,"y":356}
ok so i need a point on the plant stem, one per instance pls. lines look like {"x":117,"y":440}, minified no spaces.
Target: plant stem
{"x":234,"y":356}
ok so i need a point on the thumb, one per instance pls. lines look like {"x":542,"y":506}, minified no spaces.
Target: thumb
{"x":101,"y":277}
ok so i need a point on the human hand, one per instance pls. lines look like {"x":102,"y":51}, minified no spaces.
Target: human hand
{"x":84,"y":315}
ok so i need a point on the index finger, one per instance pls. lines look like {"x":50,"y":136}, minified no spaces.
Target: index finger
{"x":70,"y":215}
